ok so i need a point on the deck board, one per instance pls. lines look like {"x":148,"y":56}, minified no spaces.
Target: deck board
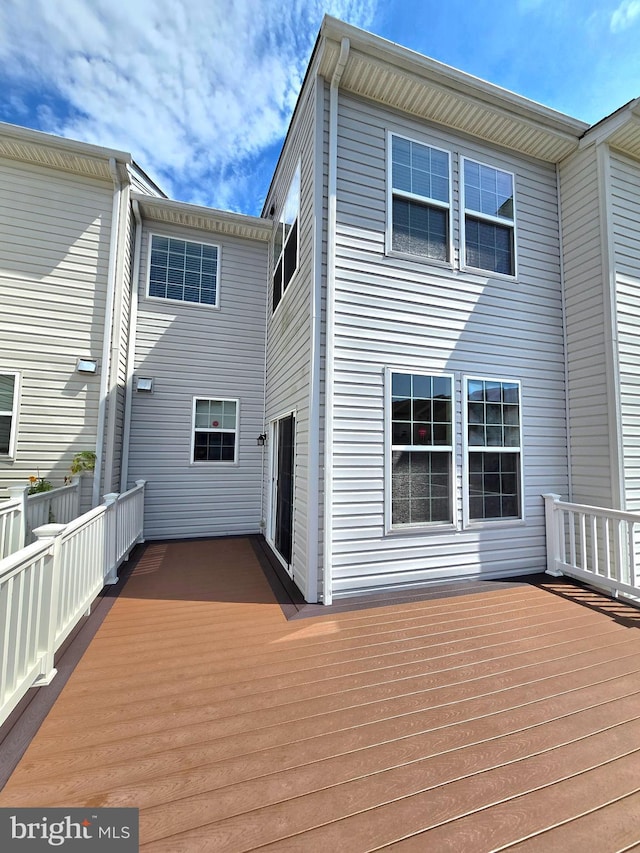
{"x":504,"y":717}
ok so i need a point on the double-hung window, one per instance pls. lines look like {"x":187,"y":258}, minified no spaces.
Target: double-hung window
{"x":8,"y":413}
{"x":285,"y":241}
{"x":489,"y":218}
{"x":183,"y":270}
{"x":420,"y":199}
{"x":494,"y":449}
{"x":215,"y":430}
{"x":421,"y":449}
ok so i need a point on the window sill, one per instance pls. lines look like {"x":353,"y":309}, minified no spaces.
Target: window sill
{"x":420,"y":259}
{"x":182,"y":302}
{"x":497,"y":523}
{"x":215,"y":463}
{"x":420,"y":529}
{"x":476,"y":272}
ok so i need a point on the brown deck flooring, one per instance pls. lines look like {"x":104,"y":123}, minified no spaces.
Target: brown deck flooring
{"x":501,"y":719}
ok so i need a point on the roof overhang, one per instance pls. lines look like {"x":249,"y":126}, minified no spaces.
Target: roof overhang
{"x":44,"y":149}
{"x":621,"y":130}
{"x":404,"y":80}
{"x":203,"y":218}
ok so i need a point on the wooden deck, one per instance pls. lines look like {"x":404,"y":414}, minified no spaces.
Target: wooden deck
{"x":504,"y":718}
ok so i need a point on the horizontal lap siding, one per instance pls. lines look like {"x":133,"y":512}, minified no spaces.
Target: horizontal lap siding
{"x":288,"y":376}
{"x":412,"y":316}
{"x":584,"y":305}
{"x":194,"y":351}
{"x":53,"y":278}
{"x":625,"y":190}
{"x":123,"y":343}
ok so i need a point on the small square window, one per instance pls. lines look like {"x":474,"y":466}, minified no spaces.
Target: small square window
{"x":183,"y":271}
{"x":215,"y":430}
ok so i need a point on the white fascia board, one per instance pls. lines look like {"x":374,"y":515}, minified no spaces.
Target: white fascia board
{"x":453,"y":78}
{"x":72,"y":146}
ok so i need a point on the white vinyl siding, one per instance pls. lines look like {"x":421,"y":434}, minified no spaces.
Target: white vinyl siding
{"x":625,"y":197}
{"x":54,"y":258}
{"x":190,"y":352}
{"x":589,"y":418}
{"x":289,"y":334}
{"x":402,"y":314}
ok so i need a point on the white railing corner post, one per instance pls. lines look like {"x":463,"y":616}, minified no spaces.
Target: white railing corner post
{"x":140,"y":539}
{"x":19,"y":535}
{"x":50,"y":533}
{"x":111,"y":538}
{"x":552,"y":526}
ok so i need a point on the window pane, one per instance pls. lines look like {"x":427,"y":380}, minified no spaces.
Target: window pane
{"x":489,"y":246}
{"x":5,"y":433}
{"x":419,"y":169}
{"x":420,"y":487}
{"x":494,"y":490}
{"x":181,"y":269}
{"x":488,"y":190}
{"x":7,"y":384}
{"x":418,"y":418}
{"x":419,"y":229}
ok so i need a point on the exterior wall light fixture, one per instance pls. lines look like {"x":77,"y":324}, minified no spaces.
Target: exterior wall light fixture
{"x":262,"y":439}
{"x":86,"y":365}
{"x":144,"y":384}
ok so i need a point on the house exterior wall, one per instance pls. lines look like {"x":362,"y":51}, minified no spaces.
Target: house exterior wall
{"x":54,"y":258}
{"x":411,"y":316}
{"x":199,"y":351}
{"x":289,"y":336}
{"x":583,"y":248}
{"x":625,"y":206}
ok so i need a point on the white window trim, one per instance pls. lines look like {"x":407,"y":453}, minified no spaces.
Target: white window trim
{"x":496,"y":220}
{"x":165,"y":300}
{"x":389,"y":250}
{"x":271,"y":508}
{"x":467,"y":523}
{"x":431,"y":526}
{"x":215,"y":462}
{"x":274,"y":260}
{"x":13,"y":434}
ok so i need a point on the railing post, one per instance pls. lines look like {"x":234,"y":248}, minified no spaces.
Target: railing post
{"x":140,"y":507}
{"x":553,"y":534}
{"x":50,"y":533}
{"x":76,"y":481}
{"x":111,"y":538}
{"x":19,"y":535}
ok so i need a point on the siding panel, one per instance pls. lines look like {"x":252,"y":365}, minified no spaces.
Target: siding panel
{"x":397,"y":312}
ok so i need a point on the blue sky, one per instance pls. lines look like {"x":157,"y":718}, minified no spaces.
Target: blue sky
{"x":201,"y":93}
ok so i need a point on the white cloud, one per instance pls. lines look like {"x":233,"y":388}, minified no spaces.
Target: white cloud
{"x":194,"y":90}
{"x":625,"y":15}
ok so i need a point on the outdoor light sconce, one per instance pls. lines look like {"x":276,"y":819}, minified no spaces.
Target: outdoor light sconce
{"x":144,"y":384}
{"x":262,"y":439}
{"x":86,"y":365}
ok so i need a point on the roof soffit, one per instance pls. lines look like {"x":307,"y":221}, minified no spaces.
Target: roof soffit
{"x":204,"y":219}
{"x":457,"y":101}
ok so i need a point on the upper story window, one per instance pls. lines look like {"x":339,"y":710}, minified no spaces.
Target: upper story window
{"x":183,"y":270}
{"x":420,"y":204}
{"x":285,"y":241}
{"x":8,"y":413}
{"x":489,"y":218}
{"x":215,"y":430}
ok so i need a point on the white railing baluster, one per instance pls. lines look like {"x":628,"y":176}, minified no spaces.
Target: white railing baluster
{"x":608,"y":560}
{"x":47,"y":586}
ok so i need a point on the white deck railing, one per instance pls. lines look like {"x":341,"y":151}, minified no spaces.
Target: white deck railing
{"x":57,"y":506}
{"x":22,"y":513}
{"x":593,"y":544}
{"x":46,"y":588}
{"x":12,"y":523}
